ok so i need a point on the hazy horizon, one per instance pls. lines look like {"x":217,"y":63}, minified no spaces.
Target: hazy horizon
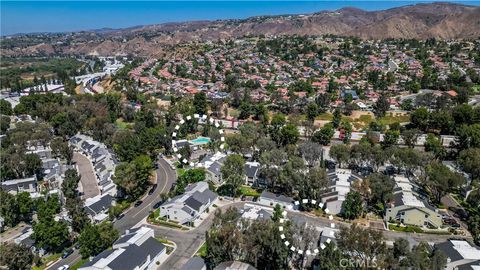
{"x":21,"y":17}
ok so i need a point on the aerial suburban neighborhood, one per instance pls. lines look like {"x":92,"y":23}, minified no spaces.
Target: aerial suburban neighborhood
{"x":244,"y":150}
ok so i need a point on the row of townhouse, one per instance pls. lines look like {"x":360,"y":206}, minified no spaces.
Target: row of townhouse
{"x":408,"y":206}
{"x":340,"y":182}
{"x":102,"y":158}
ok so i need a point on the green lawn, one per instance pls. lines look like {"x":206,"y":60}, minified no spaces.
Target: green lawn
{"x":248,"y":191}
{"x":390,"y":119}
{"x":120,"y":123}
{"x":78,"y":264}
{"x":407,"y":228}
{"x":324,"y":116}
{"x":47,"y":260}
{"x":202,"y":251}
{"x":164,"y":241}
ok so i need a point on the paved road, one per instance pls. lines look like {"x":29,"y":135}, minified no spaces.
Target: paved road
{"x":188,"y":242}
{"x":88,"y":180}
{"x":165,"y":179}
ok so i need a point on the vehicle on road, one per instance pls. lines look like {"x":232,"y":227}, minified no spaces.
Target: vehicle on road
{"x":67,"y":253}
{"x":152,"y":189}
{"x":64,"y":267}
{"x":157,"y":204}
{"x":120,"y":216}
{"x":138,"y":203}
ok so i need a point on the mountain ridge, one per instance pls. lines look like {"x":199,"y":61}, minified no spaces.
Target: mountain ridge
{"x":440,"y":20}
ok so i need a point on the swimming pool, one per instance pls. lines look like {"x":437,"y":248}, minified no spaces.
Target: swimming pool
{"x":200,"y":140}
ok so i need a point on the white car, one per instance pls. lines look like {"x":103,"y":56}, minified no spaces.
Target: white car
{"x":64,"y":267}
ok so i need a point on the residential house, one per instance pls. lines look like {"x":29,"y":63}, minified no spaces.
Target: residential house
{"x":272,"y":199}
{"x":15,"y":186}
{"x":188,"y":207}
{"x":251,"y":171}
{"x":409,"y":208}
{"x":137,"y":249}
{"x":461,"y":255}
{"x":213,"y":164}
{"x":97,"y":207}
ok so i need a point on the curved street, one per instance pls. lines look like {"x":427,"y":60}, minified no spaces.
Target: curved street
{"x":166,"y":176}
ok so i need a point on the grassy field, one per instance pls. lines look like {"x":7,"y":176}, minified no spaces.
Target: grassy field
{"x":248,"y":191}
{"x":324,"y":116}
{"x":391,"y":118}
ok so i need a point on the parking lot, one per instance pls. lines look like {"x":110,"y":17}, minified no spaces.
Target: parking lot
{"x":88,"y":182}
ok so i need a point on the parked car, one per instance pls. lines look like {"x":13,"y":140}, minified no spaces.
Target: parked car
{"x":64,"y":267}
{"x":157,"y":204}
{"x":120,"y":216}
{"x":67,"y":253}
{"x":152,"y":189}
{"x":138,"y":203}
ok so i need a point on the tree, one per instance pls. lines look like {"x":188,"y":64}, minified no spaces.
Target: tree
{"x":96,"y":238}
{"x":200,"y":103}
{"x":420,"y":118}
{"x":367,"y":245}
{"x":337,"y":117}
{"x":381,"y":106}
{"x":340,"y":153}
{"x":5,"y":107}
{"x":4,"y":124}
{"x":390,"y":138}
{"x":70,"y":183}
{"x":311,"y":152}
{"x":346,"y":128}
{"x":312,"y":111}
{"x":9,"y":208}
{"x":410,"y":137}
{"x":233,"y":172}
{"x":50,"y":234}
{"x":468,"y":136}
{"x":25,"y":206}
{"x":324,"y":135}
{"x":33,"y":164}
{"x":61,"y":148}
{"x":133,"y":177}
{"x":381,"y":187}
{"x":289,"y":134}
{"x":434,"y":145}
{"x":440,"y":180}
{"x":15,"y":257}
{"x":474,"y":227}
{"x":469,"y":161}
{"x":352,"y":207}
{"x":330,"y":258}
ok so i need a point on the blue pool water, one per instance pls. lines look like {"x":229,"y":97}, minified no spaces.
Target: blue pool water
{"x":200,"y":140}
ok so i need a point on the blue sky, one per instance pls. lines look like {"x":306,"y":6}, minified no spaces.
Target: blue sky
{"x":61,"y":16}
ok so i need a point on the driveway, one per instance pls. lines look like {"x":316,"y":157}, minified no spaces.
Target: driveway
{"x":88,"y":181}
